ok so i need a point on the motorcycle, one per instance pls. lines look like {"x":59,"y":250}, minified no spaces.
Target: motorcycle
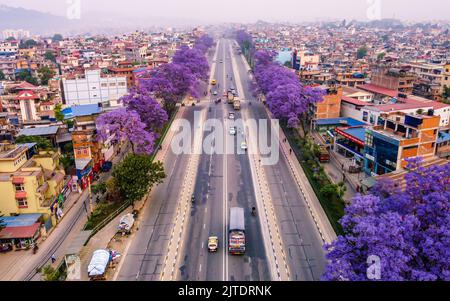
{"x":35,"y":249}
{"x":193,"y":199}
{"x":253,"y":211}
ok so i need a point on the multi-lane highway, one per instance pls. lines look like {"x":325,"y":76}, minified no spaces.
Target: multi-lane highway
{"x":171,"y":243}
{"x":223,"y":181}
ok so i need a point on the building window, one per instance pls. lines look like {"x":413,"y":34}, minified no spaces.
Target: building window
{"x":104,"y":85}
{"x":19,"y":187}
{"x":122,"y":84}
{"x":22,"y":203}
{"x":369,"y":140}
{"x":112,"y":84}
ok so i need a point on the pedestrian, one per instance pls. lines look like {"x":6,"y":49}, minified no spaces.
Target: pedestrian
{"x":53,"y":258}
{"x":290,"y":151}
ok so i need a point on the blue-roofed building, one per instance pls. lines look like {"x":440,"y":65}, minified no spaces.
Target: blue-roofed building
{"x":329,"y":124}
{"x":350,"y":141}
{"x":81,"y":110}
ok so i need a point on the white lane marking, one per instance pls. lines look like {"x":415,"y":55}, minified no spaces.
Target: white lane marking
{"x":204,"y":226}
{"x":200,"y":269}
{"x":203,"y":244}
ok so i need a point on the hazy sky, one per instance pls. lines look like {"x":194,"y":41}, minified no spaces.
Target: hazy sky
{"x":252,"y":10}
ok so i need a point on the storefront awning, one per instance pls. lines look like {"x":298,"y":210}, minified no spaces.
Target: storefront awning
{"x":18,"y":180}
{"x":19,"y":232}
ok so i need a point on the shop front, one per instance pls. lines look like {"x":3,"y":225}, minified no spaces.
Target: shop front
{"x":20,"y":232}
{"x":84,"y":172}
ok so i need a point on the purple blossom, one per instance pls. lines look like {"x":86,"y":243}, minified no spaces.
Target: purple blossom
{"x":124,"y":124}
{"x":409,"y":230}
{"x":149,"y":110}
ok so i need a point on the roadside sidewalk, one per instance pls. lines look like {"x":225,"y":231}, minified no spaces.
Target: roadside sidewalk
{"x":107,"y":237}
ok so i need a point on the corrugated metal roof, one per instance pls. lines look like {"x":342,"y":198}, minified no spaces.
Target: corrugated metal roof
{"x":40,"y":131}
{"x":22,"y":220}
{"x":19,"y":232}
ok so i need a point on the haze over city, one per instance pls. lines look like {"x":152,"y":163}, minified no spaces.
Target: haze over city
{"x":249,"y":10}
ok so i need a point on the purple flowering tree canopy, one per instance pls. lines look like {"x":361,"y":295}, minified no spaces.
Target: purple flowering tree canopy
{"x":149,"y":110}
{"x":194,"y":60}
{"x":286,"y":98}
{"x":124,"y":124}
{"x":408,"y":230}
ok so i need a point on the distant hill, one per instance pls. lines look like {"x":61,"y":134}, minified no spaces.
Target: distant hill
{"x":35,"y":21}
{"x":48,"y":24}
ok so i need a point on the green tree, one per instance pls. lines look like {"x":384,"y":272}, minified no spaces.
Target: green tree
{"x":45,"y":74}
{"x":42,"y":143}
{"x":362,"y":52}
{"x":2,"y":75}
{"x":136,"y":175}
{"x":10,"y":39}
{"x":67,"y":162}
{"x":329,"y":191}
{"x":57,"y":37}
{"x":100,"y":188}
{"x":288,"y":64}
{"x":446,"y":93}
{"x":50,"y":56}
{"x":58,"y":112}
{"x":28,"y":44}
{"x":381,"y":55}
{"x":25,"y":75}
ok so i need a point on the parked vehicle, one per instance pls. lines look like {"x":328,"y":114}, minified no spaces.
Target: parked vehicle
{"x":324,"y":156}
{"x":99,"y":264}
{"x":236,"y":233}
{"x":107,"y":166}
{"x":233,"y":130}
{"x":213,"y":82}
{"x":126,"y":224}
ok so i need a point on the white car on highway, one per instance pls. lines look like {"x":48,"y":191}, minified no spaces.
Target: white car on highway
{"x":233,"y":130}
{"x":244,"y":145}
{"x":231,"y":116}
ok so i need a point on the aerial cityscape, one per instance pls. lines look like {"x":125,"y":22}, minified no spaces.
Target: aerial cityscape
{"x":181,"y":142}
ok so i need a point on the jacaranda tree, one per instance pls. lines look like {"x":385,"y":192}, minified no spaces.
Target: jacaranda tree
{"x":286,"y":97}
{"x":149,"y":110}
{"x":408,"y":230}
{"x":126,"y":124}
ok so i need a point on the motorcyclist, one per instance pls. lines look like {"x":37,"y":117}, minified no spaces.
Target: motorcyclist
{"x":193,"y":199}
{"x":253,"y":211}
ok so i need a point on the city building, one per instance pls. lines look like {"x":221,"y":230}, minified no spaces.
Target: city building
{"x":395,"y":79}
{"x":399,"y":136}
{"x":94,"y":88}
{"x":445,"y":78}
{"x":17,"y":34}
{"x":29,"y":184}
{"x":330,"y":106}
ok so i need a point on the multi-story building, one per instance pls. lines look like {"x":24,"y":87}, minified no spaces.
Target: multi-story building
{"x":16,"y":34}
{"x":8,"y":67}
{"x":124,"y":69}
{"x":350,"y":79}
{"x":394,"y":79}
{"x":397,"y":137}
{"x":9,"y":48}
{"x":445,"y":78}
{"x":29,"y":185}
{"x":94,"y":89}
{"x":330,"y":106}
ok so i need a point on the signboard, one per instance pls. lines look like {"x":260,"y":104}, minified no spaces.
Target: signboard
{"x":351,"y":138}
{"x":372,"y":158}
